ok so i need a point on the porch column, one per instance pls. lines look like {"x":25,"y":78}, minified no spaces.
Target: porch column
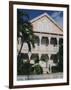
{"x":49,"y":39}
{"x":58,"y":41}
{"x":40,"y":37}
{"x":50,"y":65}
{"x":29,"y":54}
{"x":58,"y":45}
{"x":39,"y":56}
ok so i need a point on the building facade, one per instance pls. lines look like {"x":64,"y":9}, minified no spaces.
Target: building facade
{"x":48,"y":37}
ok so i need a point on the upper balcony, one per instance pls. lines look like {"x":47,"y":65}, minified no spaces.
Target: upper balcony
{"x":46,"y":49}
{"x":41,"y":48}
{"x":45,"y":45}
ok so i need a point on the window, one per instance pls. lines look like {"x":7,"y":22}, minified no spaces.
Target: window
{"x":53,"y":41}
{"x":45,"y":41}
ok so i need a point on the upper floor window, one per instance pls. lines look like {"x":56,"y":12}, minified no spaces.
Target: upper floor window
{"x":36,"y":40}
{"x":45,"y":41}
{"x":60,"y":41}
{"x":53,"y":41}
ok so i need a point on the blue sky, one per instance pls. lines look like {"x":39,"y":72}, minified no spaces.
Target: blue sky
{"x":56,"y":15}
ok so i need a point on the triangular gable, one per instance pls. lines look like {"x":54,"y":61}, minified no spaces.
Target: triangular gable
{"x":44,"y":23}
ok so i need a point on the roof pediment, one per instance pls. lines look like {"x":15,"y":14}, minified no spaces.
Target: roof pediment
{"x":44,"y":23}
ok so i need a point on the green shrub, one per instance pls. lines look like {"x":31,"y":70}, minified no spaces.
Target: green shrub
{"x":38,"y":69}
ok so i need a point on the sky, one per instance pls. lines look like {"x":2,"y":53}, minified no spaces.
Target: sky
{"x":56,"y":15}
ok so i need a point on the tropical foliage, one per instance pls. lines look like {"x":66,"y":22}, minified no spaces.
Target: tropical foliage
{"x":60,"y":64}
{"x":37,"y":69}
{"x":24,"y":30}
{"x":60,"y":56}
{"x":25,"y":33}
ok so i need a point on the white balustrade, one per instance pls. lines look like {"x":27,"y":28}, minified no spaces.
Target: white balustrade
{"x":42,"y":48}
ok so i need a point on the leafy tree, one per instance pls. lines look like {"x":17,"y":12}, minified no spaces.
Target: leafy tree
{"x":25,"y":68}
{"x":60,"y":56}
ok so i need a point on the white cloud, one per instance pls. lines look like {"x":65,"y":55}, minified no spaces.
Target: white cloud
{"x":58,"y":18}
{"x":55,"y":14}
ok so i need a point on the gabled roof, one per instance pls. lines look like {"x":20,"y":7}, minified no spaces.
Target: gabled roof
{"x":51,"y":19}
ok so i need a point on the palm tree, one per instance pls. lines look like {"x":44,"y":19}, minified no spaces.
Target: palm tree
{"x":24,"y":30}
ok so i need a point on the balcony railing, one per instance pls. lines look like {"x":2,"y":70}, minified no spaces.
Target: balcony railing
{"x":42,"y":48}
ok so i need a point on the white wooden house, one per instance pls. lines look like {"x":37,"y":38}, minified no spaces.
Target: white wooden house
{"x":48,"y":36}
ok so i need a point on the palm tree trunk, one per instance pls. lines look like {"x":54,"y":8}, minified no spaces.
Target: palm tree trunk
{"x":46,"y":64}
{"x":20,"y":49}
